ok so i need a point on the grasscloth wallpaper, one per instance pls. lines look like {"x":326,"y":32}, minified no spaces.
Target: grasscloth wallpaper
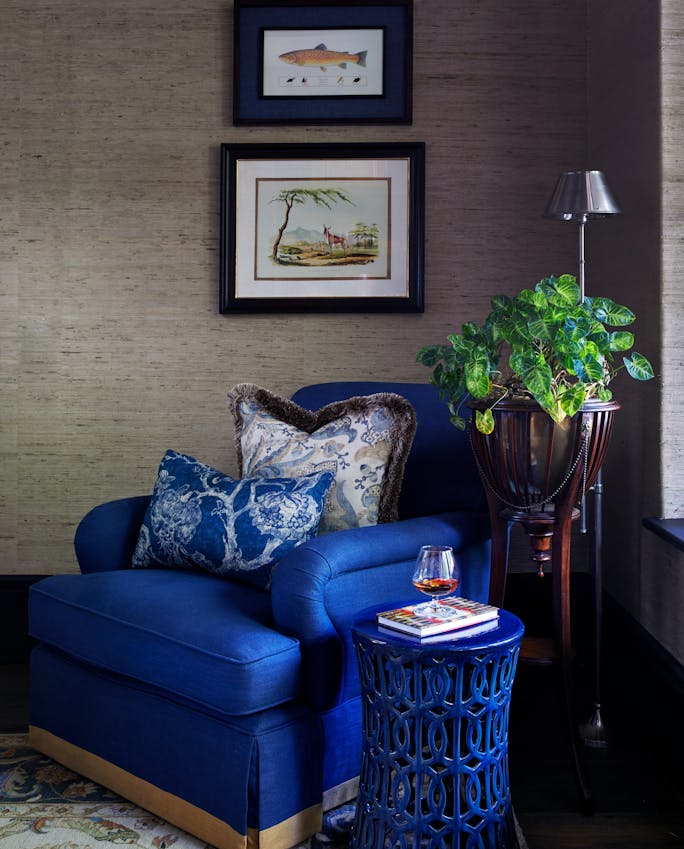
{"x":112,"y":346}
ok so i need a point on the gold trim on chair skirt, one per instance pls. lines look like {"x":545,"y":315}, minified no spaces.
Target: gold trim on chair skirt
{"x":172,"y":808}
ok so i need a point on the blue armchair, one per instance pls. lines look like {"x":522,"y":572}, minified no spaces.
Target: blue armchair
{"x":232,"y":711}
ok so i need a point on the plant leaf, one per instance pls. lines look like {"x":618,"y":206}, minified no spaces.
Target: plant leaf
{"x":568,"y":345}
{"x":578,"y":370}
{"x":477,"y":376}
{"x":518,"y":361}
{"x":528,"y":298}
{"x":638,"y":366}
{"x":546,"y":285}
{"x":540,"y":329}
{"x":484,"y":420}
{"x":609,"y":312}
{"x":600,"y":337}
{"x":458,"y":344}
{"x":458,"y":421}
{"x":471,"y":332}
{"x":577,"y":326}
{"x":496,"y":331}
{"x":556,"y":411}
{"x":566,"y":292}
{"x":500,"y":302}
{"x":572,"y":399}
{"x":430,"y":355}
{"x":621,"y":340}
{"x":537,"y":376}
{"x":515,"y":330}
{"x":566,"y":361}
{"x":555,"y":314}
{"x":588,"y":369}
{"x":590,"y":349}
{"x":551,"y":404}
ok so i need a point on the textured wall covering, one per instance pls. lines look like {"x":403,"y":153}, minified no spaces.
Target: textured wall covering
{"x":662,"y":606}
{"x":636,"y":132}
{"x":672,"y":460}
{"x":112,"y":346}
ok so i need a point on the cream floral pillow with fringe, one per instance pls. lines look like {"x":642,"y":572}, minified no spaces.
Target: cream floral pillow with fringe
{"x":363,"y":440}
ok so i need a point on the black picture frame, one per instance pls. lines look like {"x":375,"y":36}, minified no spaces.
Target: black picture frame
{"x":354,"y":242}
{"x":313,"y":23}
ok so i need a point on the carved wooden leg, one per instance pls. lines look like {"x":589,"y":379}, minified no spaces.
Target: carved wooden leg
{"x":562,"y":638}
{"x":500,"y":540}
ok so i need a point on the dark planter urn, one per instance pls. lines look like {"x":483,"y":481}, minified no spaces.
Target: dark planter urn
{"x":529,"y":460}
{"x":536,"y":471}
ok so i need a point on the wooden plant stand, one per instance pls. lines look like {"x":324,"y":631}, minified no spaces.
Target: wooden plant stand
{"x":531,"y":478}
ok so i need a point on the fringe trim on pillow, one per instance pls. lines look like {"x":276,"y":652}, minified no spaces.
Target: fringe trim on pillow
{"x":401,"y":440}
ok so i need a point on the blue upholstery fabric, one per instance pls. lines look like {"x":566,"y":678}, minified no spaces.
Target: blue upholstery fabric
{"x":200,"y":517}
{"x":440,"y":473}
{"x":247,"y":771}
{"x":106,"y":536}
{"x":196,"y":636}
{"x":341,"y":723}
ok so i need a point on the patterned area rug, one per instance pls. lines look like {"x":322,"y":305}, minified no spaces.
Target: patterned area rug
{"x":44,"y":805}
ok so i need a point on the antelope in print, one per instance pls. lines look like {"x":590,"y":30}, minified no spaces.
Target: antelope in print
{"x":333,"y":239}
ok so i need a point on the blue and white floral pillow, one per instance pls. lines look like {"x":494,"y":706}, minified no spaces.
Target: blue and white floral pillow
{"x":200,"y":517}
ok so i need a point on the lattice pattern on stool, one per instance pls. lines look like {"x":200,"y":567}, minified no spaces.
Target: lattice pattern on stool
{"x":435,"y":765}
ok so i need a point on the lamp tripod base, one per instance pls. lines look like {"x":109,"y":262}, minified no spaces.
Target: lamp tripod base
{"x":593,"y":733}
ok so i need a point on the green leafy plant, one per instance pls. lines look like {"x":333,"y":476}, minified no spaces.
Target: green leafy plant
{"x":543,"y":344}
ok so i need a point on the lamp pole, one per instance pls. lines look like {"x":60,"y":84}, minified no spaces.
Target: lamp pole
{"x":582,"y":221}
{"x":593,"y":732}
{"x":579,"y":196}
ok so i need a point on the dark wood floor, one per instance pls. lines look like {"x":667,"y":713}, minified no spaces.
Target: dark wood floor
{"x":637,"y":781}
{"x":14,"y":697}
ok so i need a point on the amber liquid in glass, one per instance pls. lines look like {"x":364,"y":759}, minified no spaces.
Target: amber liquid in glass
{"x":435,"y":587}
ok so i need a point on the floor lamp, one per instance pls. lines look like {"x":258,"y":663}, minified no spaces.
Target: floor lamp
{"x":580,"y":196}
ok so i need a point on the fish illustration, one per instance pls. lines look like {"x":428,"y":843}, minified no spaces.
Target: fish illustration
{"x":323,"y":57}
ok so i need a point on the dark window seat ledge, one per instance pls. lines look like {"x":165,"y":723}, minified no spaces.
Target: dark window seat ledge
{"x":671,"y":530}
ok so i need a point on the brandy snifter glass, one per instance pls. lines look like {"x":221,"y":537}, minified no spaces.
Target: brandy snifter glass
{"x":437,"y":575}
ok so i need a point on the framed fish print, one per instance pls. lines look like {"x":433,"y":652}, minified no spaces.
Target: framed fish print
{"x":322,"y":227}
{"x":322,"y":62}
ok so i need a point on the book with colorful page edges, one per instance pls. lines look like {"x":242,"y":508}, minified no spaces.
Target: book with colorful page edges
{"x":456,"y":613}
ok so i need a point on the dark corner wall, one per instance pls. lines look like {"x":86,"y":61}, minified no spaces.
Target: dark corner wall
{"x":635,"y":121}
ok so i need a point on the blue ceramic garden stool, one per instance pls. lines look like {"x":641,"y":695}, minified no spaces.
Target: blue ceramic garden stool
{"x":434,"y":769}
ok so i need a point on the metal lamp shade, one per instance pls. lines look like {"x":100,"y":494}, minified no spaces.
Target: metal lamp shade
{"x":580,"y":195}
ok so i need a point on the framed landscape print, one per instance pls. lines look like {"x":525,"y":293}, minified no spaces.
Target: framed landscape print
{"x":322,"y":227}
{"x":301,"y":61}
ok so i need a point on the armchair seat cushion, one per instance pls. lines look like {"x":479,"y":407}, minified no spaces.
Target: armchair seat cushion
{"x":198,"y":637}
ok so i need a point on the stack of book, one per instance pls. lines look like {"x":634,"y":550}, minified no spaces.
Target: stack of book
{"x":460,"y":615}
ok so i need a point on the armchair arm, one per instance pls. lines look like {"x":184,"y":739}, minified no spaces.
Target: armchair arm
{"x":106,"y":536}
{"x":320,"y":587}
